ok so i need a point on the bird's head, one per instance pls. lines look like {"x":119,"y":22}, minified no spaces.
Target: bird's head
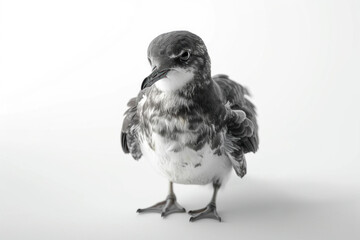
{"x":177,"y":58}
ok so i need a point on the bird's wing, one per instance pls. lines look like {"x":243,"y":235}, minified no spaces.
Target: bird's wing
{"x":130,"y":128}
{"x":242,"y":129}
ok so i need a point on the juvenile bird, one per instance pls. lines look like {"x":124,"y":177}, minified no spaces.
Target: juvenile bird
{"x":194,"y":128}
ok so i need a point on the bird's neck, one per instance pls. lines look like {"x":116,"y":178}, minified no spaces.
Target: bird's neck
{"x":201,"y":83}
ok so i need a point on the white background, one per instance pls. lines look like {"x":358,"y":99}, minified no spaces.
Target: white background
{"x":69,"y":67}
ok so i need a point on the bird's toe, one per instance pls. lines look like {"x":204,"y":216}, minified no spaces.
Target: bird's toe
{"x":207,"y":212}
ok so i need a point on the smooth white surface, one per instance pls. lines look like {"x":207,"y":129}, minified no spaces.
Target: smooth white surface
{"x":69,"y":67}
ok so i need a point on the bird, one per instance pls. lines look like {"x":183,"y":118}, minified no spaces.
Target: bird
{"x":194,"y":128}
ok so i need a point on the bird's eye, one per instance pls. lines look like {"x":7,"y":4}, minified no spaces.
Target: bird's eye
{"x":185,"y":56}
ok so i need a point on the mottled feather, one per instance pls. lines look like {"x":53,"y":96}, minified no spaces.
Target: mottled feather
{"x":129,"y":131}
{"x":242,"y":128}
{"x":236,"y":96}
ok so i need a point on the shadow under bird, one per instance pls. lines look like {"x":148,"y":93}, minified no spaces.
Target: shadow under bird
{"x":194,"y":128}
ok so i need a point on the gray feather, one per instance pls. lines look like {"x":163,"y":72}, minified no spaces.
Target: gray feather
{"x":129,"y":133}
{"x":242,"y":132}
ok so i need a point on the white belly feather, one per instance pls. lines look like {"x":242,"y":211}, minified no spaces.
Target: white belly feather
{"x":186,"y":166}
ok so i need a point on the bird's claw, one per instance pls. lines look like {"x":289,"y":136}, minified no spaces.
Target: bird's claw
{"x":169,"y":206}
{"x":208,"y":212}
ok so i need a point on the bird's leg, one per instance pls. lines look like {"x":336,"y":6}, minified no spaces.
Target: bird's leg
{"x":166,"y":207}
{"x":210,"y":210}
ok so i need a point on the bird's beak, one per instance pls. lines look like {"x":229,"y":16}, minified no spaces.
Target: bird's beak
{"x":153,"y":77}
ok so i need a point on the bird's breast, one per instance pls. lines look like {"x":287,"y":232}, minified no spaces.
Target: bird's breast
{"x":176,"y":119}
{"x":178,"y":140}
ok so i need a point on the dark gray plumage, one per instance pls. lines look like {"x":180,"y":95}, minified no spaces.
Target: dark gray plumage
{"x":193,"y":126}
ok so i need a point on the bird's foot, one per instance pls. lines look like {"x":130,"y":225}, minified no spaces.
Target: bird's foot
{"x":207,"y":212}
{"x":166,"y":207}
